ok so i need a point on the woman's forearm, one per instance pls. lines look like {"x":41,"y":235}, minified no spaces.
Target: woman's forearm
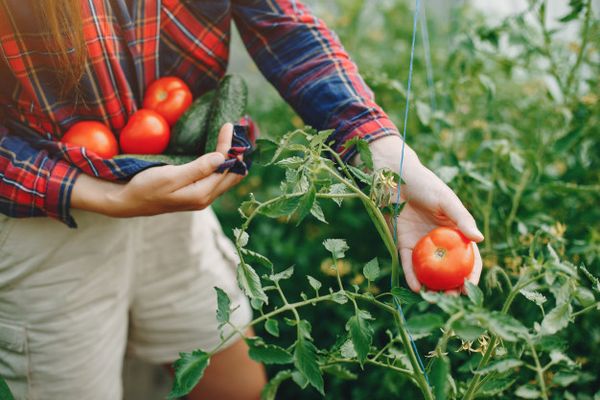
{"x":93,"y":194}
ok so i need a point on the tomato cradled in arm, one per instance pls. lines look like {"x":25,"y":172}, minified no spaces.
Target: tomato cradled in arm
{"x":443,"y":258}
{"x":146,"y":132}
{"x":94,"y":136}
{"x":168,"y":96}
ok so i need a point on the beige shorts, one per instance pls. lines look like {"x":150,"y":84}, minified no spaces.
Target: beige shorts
{"x":73,"y":301}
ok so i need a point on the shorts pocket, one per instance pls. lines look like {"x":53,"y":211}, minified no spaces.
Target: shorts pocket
{"x":14,"y":358}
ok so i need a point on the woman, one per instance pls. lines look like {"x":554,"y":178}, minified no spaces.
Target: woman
{"x":136,"y":276}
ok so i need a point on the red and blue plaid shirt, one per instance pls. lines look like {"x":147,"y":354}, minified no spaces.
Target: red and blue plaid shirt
{"x":131,"y":43}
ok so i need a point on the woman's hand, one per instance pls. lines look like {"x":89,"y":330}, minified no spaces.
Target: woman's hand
{"x":430,"y":203}
{"x":158,"y":190}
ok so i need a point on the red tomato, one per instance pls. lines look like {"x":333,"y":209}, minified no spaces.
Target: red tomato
{"x":169,"y":97}
{"x":442,"y":259}
{"x":146,"y":132}
{"x":94,"y":136}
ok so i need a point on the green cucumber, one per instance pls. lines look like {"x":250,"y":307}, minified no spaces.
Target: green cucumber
{"x":188,"y":134}
{"x":229,"y":105}
{"x":161,"y":158}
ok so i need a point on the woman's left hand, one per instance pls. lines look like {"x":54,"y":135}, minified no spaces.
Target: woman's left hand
{"x":429,"y":203}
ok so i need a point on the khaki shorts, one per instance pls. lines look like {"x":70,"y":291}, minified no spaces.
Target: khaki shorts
{"x":73,"y":301}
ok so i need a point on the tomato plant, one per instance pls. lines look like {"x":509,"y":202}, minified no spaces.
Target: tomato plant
{"x":146,"y":132}
{"x":168,"y":96}
{"x":515,"y":134}
{"x":442,"y":259}
{"x":94,"y":136}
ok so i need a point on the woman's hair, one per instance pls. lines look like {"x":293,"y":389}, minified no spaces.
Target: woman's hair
{"x":64,"y":22}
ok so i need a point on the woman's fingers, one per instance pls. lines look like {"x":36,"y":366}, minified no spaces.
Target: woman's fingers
{"x":196,"y":170}
{"x":224,"y":139}
{"x":477,"y":266}
{"x":464,"y":221}
{"x":409,"y":273}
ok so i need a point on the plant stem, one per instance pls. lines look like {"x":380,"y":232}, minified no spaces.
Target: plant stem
{"x":403,"y":371}
{"x":516,"y":201}
{"x":595,"y":306}
{"x":582,"y":48}
{"x":539,"y":370}
{"x":487,"y":212}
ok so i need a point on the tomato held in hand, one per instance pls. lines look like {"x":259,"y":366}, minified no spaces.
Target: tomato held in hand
{"x":146,"y":132}
{"x":94,"y":136}
{"x":169,"y":97}
{"x":442,"y":259}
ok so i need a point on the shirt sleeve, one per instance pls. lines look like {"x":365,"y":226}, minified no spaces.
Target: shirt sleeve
{"x":307,"y":64}
{"x":37,"y":175}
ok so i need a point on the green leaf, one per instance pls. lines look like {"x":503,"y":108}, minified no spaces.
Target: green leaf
{"x":314,"y":283}
{"x":291,"y":162}
{"x":467,"y":329}
{"x":347,"y":350}
{"x":272,"y":326}
{"x":361,"y":334}
{"x":505,"y":326}
{"x":241,"y":237}
{"x":440,"y":369}
{"x":424,"y":113}
{"x":317,"y":212}
{"x":527,"y":392}
{"x":270,"y":390}
{"x":265,"y":151}
{"x":267,"y":353}
{"x":405,"y":296}
{"x":360,"y":174}
{"x":424,"y":323}
{"x":5,"y":392}
{"x":340,"y":297}
{"x":249,"y":282}
{"x":223,"y":307}
{"x":306,"y":203}
{"x":338,"y":188}
{"x":189,"y":369}
{"x":565,"y":378}
{"x":595,"y":282}
{"x":534,"y":296}
{"x":500,"y":366}
{"x":304,"y":329}
{"x":337,"y":247}
{"x":371,"y":270}
{"x":362,"y":147}
{"x":556,"y":319}
{"x":300,"y":379}
{"x":340,"y":372}
{"x":474,"y":293}
{"x":285,"y":274}
{"x":576,"y":6}
{"x":495,"y":386}
{"x":255,"y":258}
{"x":284,"y":206}
{"x":305,"y":360}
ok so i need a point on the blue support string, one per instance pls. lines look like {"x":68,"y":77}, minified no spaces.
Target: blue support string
{"x":397,"y":206}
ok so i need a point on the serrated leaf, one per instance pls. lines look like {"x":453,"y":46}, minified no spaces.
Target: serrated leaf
{"x":314,"y":283}
{"x":249,"y":282}
{"x":474,"y":293}
{"x":337,"y":247}
{"x":340,"y":298}
{"x":291,"y":162}
{"x":449,"y":304}
{"x":595,"y":282}
{"x":317,"y":212}
{"x":255,"y":258}
{"x":496,"y":386}
{"x":362,"y":147}
{"x":267,"y":353}
{"x":527,"y":392}
{"x":241,"y":237}
{"x":371,"y":270}
{"x":282,"y":207}
{"x":533,"y":296}
{"x":285,"y":274}
{"x":360,"y":174}
{"x":440,"y":369}
{"x":340,"y":372}
{"x":557,"y":319}
{"x":361,"y":334}
{"x":305,"y":360}
{"x":467,"y":330}
{"x":424,"y":323}
{"x":270,"y":390}
{"x":338,"y":188}
{"x":306,"y":203}
{"x":272,"y":326}
{"x":223,"y":307}
{"x":500,"y":366}
{"x":405,"y":296}
{"x":505,"y":326}
{"x":300,"y":379}
{"x":347,"y":350}
{"x":189,"y":369}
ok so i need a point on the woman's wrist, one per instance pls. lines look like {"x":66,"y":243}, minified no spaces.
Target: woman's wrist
{"x":387,"y":153}
{"x":96,"y":195}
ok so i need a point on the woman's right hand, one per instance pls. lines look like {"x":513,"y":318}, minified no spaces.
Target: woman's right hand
{"x":158,"y":190}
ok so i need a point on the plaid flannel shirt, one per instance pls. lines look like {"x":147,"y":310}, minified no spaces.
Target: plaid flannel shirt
{"x":131,"y":43}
